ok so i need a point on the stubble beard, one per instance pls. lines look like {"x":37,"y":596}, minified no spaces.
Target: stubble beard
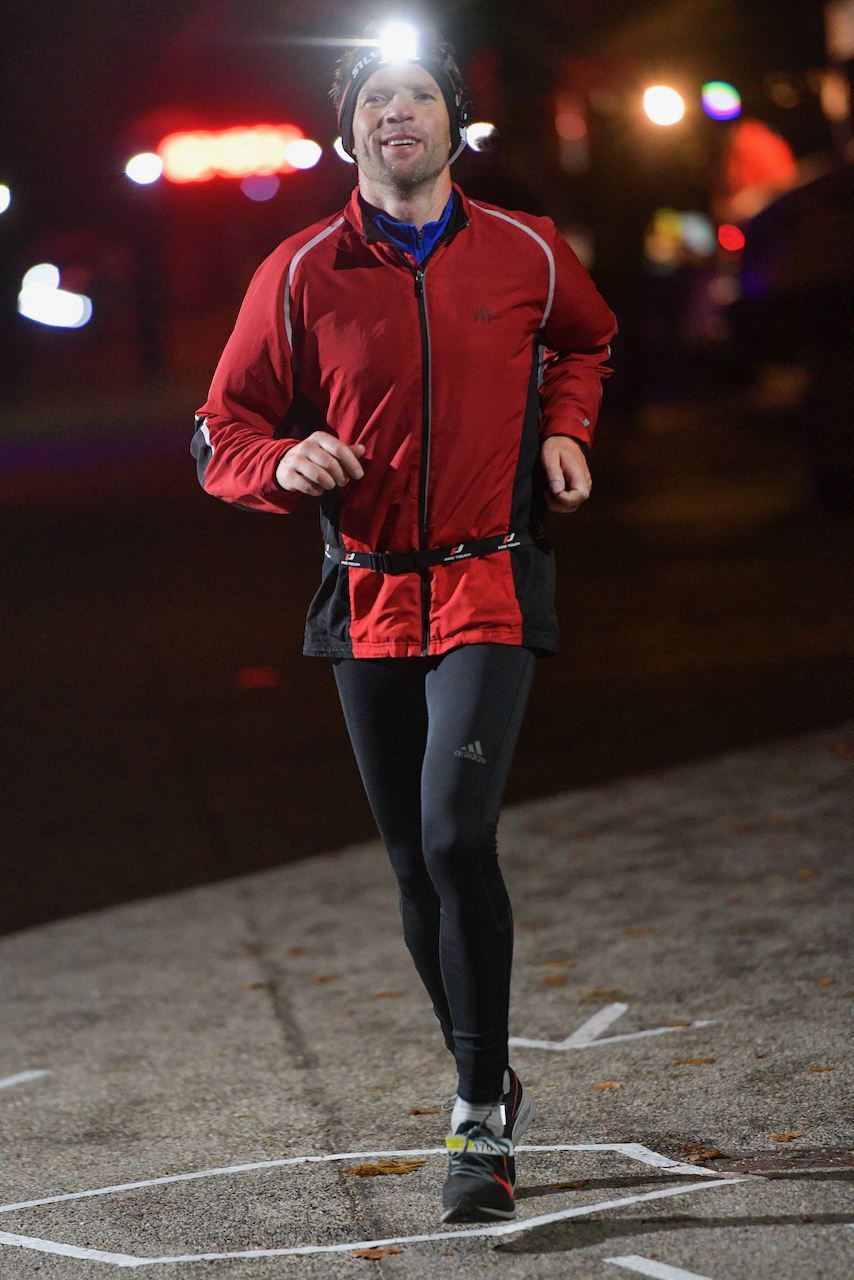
{"x":402,"y":183}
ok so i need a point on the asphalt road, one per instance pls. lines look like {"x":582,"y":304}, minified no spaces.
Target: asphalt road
{"x":705,"y":605}
{"x":228,"y":1032}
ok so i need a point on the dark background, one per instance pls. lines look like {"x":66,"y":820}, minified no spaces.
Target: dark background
{"x":160,"y":728}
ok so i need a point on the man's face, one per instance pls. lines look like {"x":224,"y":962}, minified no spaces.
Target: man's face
{"x":401,"y":130}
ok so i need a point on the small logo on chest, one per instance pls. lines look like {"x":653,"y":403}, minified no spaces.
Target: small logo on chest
{"x":482,"y":315}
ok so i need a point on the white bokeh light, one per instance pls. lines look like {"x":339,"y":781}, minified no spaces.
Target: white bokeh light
{"x":338,"y":148}
{"x":481,"y":135}
{"x":43,"y":273}
{"x":144,"y":168}
{"x":663,"y":105}
{"x":42,"y":300}
{"x":399,"y":43}
{"x":303,"y":154}
{"x":5,"y":197}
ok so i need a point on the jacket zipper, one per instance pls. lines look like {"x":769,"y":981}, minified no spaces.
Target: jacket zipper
{"x":425,"y":456}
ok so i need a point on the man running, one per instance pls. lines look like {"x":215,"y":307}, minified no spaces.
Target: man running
{"x":429,"y":367}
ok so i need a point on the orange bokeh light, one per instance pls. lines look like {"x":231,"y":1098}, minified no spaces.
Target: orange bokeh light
{"x":241,"y":152}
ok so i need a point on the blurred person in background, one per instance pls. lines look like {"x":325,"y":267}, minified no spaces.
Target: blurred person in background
{"x":430,"y":368}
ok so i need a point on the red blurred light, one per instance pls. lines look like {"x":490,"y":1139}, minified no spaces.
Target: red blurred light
{"x":202,"y":154}
{"x":729,"y":237}
{"x":258,"y":678}
{"x":571,"y":125}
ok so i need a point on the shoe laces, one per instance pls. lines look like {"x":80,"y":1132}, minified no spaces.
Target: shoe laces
{"x":467,"y":1163}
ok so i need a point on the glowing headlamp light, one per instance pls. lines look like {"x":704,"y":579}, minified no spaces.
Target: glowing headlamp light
{"x":399,"y":43}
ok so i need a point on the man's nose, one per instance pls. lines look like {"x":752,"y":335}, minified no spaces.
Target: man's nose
{"x":398,"y":109}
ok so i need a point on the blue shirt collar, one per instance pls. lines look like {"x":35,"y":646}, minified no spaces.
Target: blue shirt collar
{"x":407,"y":237}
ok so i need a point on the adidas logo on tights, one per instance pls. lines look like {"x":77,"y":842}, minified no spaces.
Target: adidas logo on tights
{"x":474,"y":751}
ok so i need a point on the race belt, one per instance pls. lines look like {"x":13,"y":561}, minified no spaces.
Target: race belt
{"x":415,"y":561}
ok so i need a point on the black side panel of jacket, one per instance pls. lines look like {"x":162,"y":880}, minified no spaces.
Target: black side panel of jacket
{"x":533,"y":565}
{"x":327,"y":627}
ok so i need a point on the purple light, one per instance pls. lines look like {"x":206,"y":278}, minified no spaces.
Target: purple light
{"x":260,"y":186}
{"x":720,"y":100}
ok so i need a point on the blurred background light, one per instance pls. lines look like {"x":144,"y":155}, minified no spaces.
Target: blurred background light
{"x":571,"y":125}
{"x":663,"y":105}
{"x":399,"y":43}
{"x":303,"y":154}
{"x":481,"y":136}
{"x":42,"y":300}
{"x":5,"y":197}
{"x":44,"y":273}
{"x":231,"y":153}
{"x":720,"y":100}
{"x":781,"y":91}
{"x":672,"y":236}
{"x":730,"y":237}
{"x":144,"y":168}
{"x":698,"y":234}
{"x":260,"y":187}
{"x":338,"y":148}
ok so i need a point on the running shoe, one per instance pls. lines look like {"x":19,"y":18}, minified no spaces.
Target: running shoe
{"x":518,"y":1108}
{"x":480,"y":1181}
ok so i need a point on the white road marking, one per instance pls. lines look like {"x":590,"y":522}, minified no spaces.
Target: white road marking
{"x":649,"y":1267}
{"x":632,"y":1150}
{"x":21,"y":1078}
{"x":502,"y":1229}
{"x":590,"y":1032}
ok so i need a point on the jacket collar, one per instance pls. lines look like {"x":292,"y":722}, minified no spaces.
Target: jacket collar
{"x":359,"y":217}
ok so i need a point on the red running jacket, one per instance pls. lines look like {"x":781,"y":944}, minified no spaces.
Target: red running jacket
{"x":450,"y":374}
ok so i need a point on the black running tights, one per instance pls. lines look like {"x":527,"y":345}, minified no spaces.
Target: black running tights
{"x":434,"y":738}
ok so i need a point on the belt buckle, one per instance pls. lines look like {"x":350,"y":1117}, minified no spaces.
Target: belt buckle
{"x":379,"y":561}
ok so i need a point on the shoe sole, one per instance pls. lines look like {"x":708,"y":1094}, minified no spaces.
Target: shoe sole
{"x":524,"y":1116}
{"x":475,"y":1213}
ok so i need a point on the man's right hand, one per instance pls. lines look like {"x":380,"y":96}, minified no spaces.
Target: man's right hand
{"x":319,"y":462}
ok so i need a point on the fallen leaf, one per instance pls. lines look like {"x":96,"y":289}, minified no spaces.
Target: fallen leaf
{"x":555,"y":980}
{"x":734,"y":899}
{"x":693,"y":1062}
{"x":423,"y":1111}
{"x":323,"y":977}
{"x":607,"y":1084}
{"x":383,"y":1167}
{"x":821,"y":1068}
{"x":572,"y":1186}
{"x":636,"y":931}
{"x":386,"y":995}
{"x":786,"y":1137}
{"x":258,"y":678}
{"x":711,"y":1154}
{"x":828,"y":982}
{"x":447,"y":1253}
{"x":678,"y":1024}
{"x":380,"y":1251}
{"x":805,"y":873}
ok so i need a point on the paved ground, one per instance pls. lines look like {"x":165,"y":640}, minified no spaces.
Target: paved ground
{"x":277,"y":1016}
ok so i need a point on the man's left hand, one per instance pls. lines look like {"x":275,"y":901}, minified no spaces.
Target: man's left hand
{"x":566,"y":472}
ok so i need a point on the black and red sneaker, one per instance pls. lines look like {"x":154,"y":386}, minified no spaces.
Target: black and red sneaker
{"x":518,"y":1108}
{"x":481,"y":1177}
